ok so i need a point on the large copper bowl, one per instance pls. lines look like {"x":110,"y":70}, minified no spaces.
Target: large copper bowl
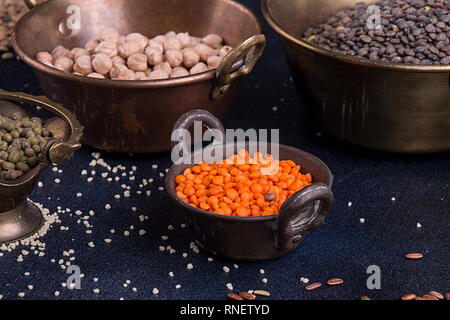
{"x":391,"y":107}
{"x":137,"y":116}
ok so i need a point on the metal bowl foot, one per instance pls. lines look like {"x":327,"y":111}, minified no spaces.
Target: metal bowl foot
{"x":20,"y":222}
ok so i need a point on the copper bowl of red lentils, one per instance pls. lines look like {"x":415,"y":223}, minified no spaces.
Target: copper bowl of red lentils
{"x":237,"y":211}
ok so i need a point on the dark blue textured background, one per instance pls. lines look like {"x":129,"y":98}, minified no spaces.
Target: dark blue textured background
{"x":343,"y":247}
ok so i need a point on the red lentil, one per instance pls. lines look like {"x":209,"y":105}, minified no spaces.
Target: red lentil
{"x":236,"y":186}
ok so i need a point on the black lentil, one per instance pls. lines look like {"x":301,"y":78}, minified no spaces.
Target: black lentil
{"x":412,"y":32}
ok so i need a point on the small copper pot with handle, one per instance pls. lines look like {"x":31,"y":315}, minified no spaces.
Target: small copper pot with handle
{"x":137,"y":116}
{"x":255,"y":238}
{"x":20,"y":218}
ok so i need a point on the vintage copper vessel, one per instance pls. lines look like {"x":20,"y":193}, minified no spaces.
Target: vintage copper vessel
{"x":20,"y":218}
{"x":137,"y":116}
{"x":391,"y":107}
{"x":254,"y":238}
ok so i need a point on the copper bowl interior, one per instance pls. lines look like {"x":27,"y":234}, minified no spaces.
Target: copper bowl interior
{"x":43,"y":28}
{"x":292,"y":18}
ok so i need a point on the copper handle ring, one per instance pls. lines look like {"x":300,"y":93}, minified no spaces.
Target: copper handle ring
{"x":225,"y":73}
{"x":59,"y":150}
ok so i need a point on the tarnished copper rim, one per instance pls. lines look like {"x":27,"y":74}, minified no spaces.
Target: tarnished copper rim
{"x":342,"y":57}
{"x":143,"y":84}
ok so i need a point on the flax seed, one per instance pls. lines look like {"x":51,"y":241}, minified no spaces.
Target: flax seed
{"x":409,"y":296}
{"x":247,"y":296}
{"x":436,"y":294}
{"x":313,"y":286}
{"x":335,"y":281}
{"x":414,"y":256}
{"x":234,"y":296}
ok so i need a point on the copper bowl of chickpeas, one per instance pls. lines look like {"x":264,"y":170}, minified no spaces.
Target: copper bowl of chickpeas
{"x":129,"y":69}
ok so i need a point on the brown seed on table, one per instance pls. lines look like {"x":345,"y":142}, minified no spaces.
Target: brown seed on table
{"x":436,"y":294}
{"x":414,"y":256}
{"x":269,"y":196}
{"x":7,"y":56}
{"x":234,"y":296}
{"x":447,"y":296}
{"x":247,"y":296}
{"x":366,"y":298}
{"x":313,"y":286}
{"x":335,"y":282}
{"x":419,"y":298}
{"x":430,"y":297}
{"x":409,"y":296}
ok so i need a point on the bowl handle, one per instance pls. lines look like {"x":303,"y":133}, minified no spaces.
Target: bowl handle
{"x":225,"y":73}
{"x":187,"y":120}
{"x":296,"y":217}
{"x":59,"y":150}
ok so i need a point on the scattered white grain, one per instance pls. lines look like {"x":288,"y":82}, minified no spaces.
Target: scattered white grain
{"x":189,"y":266}
{"x":350,"y":204}
{"x":362,"y":220}
{"x":419,"y":225}
{"x":229,"y":286}
{"x":226,"y":269}
{"x":155,"y":291}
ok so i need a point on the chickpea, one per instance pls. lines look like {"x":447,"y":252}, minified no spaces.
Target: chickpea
{"x":184,"y":39}
{"x":122,"y":40}
{"x":179,"y":72}
{"x":44,"y":56}
{"x":64,"y":64}
{"x":102,"y":63}
{"x":172,"y":44}
{"x":137,"y":62}
{"x":107,"y":47}
{"x":160,"y":39}
{"x":213,"y":40}
{"x":225,"y":50}
{"x":170,"y":34}
{"x":204,"y":51}
{"x":190,"y":57}
{"x":118,"y":60}
{"x":141,"y":76}
{"x":164,"y":66}
{"x":60,"y":52}
{"x":96,"y":75}
{"x":174,"y":58}
{"x":110,"y":34}
{"x":195,"y":41}
{"x":79,"y":52}
{"x":91,"y":45}
{"x":83,"y":65}
{"x":214,"y":62}
{"x":156,"y":45}
{"x":128,"y":49}
{"x":198,"y":68}
{"x":154,"y":56}
{"x":117,"y":71}
{"x":138,"y":38}
{"x":158,"y":75}
{"x":128,"y":75}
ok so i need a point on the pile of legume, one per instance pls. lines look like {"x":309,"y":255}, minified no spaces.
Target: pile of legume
{"x":236,"y":186}
{"x":410,"y":32}
{"x":10,"y":12}
{"x":136,"y":57}
{"x":21,"y":143}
